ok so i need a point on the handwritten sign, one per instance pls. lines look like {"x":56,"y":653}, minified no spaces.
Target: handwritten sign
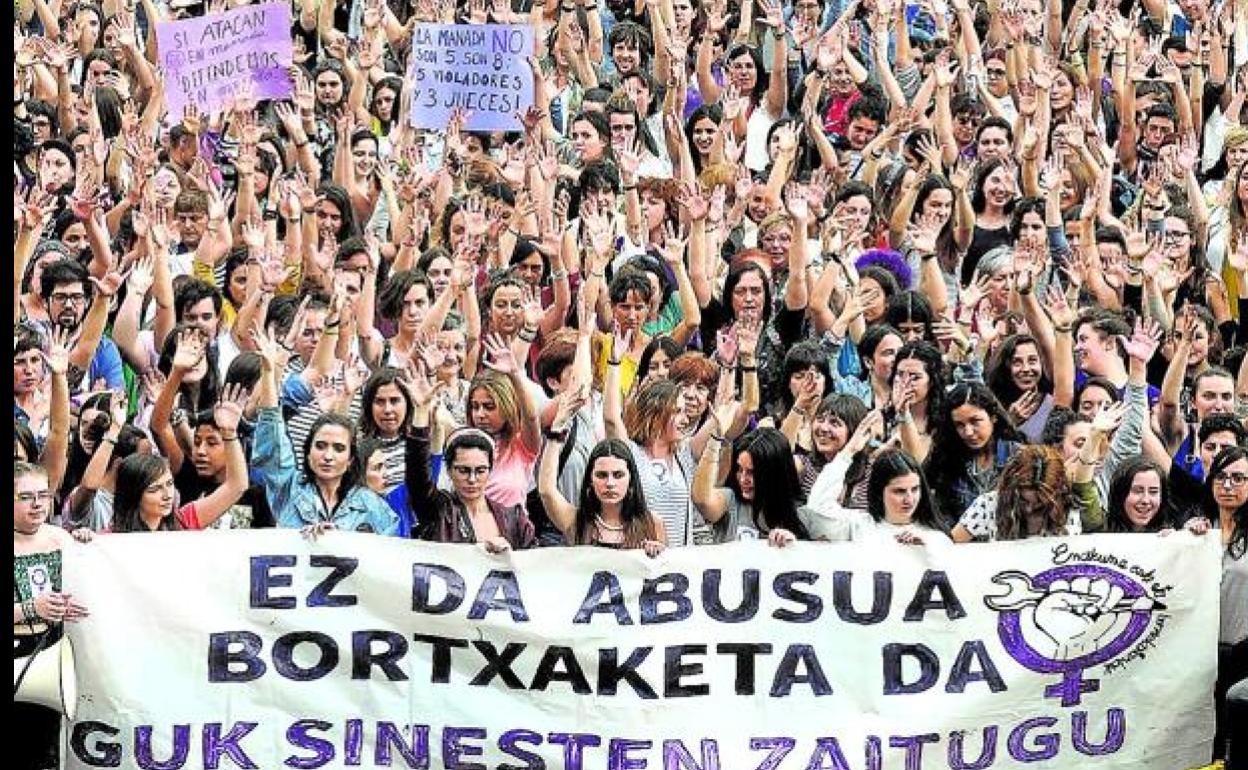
{"x":259,"y":649}
{"x":480,"y":68}
{"x":207,"y":58}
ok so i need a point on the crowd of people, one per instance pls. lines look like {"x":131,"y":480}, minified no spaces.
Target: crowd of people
{"x":932,"y":272}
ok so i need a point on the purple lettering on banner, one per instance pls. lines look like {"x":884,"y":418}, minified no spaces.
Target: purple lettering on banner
{"x":453,"y":751}
{"x":784,"y":586}
{"x":929,"y":668}
{"x":961,"y":673}
{"x":340,"y":569}
{"x":221,"y":658}
{"x":827,"y":750}
{"x":499,"y":582}
{"x":653,"y":595}
{"x":611,"y":672}
{"x":573,"y":746}
{"x":874,"y":753}
{"x":676,"y":756}
{"x":843,"y":598}
{"x":987,"y":754}
{"x":934,"y":581}
{"x":102,"y":753}
{"x":415,"y":752}
{"x":353,"y":743}
{"x":745,"y":653}
{"x":262,"y":579}
{"x":507,"y":744}
{"x":619,"y":750}
{"x":713,"y":603}
{"x":297,"y":735}
{"x":595,"y":602}
{"x":206,"y":58}
{"x":422,"y":574}
{"x":284,"y":655}
{"x":143,"y":748}
{"x":1048,"y":743}
{"x":778,"y":747}
{"x":1115,"y":733}
{"x":913,"y":744}
{"x":217,"y":745}
{"x":498,"y":664}
{"x":787,"y":672}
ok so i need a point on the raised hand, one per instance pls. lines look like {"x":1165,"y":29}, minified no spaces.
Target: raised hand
{"x":1144,"y":340}
{"x":189,"y":350}
{"x":227,"y":413}
{"x":57,"y":355}
{"x":499,"y":356}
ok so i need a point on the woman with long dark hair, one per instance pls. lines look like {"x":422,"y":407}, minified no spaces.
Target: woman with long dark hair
{"x":326,"y":491}
{"x":1226,"y":505}
{"x":1139,"y":498}
{"x":612,"y":511}
{"x":900,"y":505}
{"x":972,"y":441}
{"x":761,"y":497}
{"x":145,"y":499}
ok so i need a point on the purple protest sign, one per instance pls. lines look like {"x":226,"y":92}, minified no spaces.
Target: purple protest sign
{"x":206,"y":59}
{"x":481,"y":68}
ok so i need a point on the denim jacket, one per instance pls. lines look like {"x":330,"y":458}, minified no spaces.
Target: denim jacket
{"x":295,"y":502}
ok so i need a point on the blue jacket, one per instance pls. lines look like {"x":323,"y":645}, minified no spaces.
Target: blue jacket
{"x":297,"y":503}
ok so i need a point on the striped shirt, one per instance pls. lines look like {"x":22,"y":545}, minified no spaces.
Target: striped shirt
{"x":666,"y":484}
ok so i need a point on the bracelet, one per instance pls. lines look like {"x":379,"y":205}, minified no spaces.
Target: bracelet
{"x":556,"y":436}
{"x":800,"y":412}
{"x":109,"y":440}
{"x":630,"y":187}
{"x":527,"y":337}
{"x":926,"y":256}
{"x":234,"y":437}
{"x":29,"y":614}
{"x":613,"y":362}
{"x":332,"y":331}
{"x":301,"y":145}
{"x":747,"y":369}
{"x":1024,"y":292}
{"x":720,"y":439}
{"x":1062,"y":329}
{"x":559,"y":275}
{"x":904,"y":418}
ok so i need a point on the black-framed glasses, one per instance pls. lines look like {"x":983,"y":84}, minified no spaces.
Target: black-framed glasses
{"x":1235,"y":480}
{"x":69,"y":299}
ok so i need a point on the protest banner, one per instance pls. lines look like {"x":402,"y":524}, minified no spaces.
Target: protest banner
{"x":259,"y":649}
{"x":480,"y":68}
{"x":207,"y":58}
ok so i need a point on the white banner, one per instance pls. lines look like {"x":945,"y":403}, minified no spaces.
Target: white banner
{"x":260,"y":650}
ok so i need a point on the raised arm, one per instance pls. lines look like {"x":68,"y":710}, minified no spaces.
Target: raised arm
{"x":226,"y":414}
{"x":562,"y":513}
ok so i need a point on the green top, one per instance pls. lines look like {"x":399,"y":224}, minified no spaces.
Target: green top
{"x":36,"y":573}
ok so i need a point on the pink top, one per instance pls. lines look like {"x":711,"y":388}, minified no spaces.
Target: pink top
{"x":512,"y":476}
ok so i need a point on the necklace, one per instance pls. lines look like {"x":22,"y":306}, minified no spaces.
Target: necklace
{"x":608,"y":527}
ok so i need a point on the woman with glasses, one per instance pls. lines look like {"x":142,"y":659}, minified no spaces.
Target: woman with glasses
{"x":756,"y":95}
{"x":39,"y":606}
{"x":1226,"y":506}
{"x":468,"y":512}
